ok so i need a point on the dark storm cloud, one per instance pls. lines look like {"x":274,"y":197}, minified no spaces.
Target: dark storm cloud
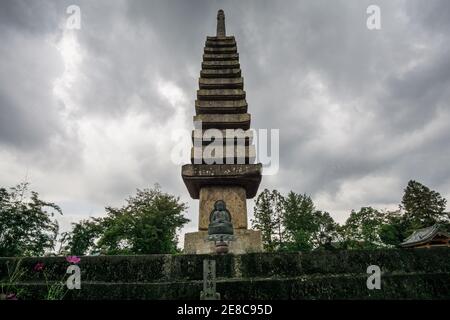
{"x":28,"y":110}
{"x":28,"y":67}
{"x":360,"y":112}
{"x":34,"y":17}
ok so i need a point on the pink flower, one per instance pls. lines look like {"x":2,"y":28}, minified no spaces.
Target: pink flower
{"x":39,"y":266}
{"x":11,"y":296}
{"x":73,"y":259}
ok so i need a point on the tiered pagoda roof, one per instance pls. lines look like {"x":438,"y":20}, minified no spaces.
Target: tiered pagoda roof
{"x":221,"y":104}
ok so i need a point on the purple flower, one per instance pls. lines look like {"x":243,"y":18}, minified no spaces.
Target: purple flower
{"x":11,"y":296}
{"x":73,"y":259}
{"x":39,"y":266}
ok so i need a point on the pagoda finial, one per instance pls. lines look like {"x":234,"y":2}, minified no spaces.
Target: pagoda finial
{"x":220,"y":23}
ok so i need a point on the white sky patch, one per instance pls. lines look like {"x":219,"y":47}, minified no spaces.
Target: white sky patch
{"x":352,"y":195}
{"x":334,"y":119}
{"x":15,"y":169}
{"x":173,"y":94}
{"x":116,"y":150}
{"x":71,"y":54}
{"x":180,"y":141}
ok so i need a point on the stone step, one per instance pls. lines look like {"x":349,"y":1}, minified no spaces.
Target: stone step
{"x":227,"y":136}
{"x":232,"y":64}
{"x":220,"y":94}
{"x":220,"y":73}
{"x":220,"y":43}
{"x":221,"y":83}
{"x":221,"y":106}
{"x":223,"y":154}
{"x":220,"y":57}
{"x":224,"y":121}
{"x":220,"y":50}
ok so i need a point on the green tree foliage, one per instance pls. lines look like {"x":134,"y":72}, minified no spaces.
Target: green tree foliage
{"x":423,"y":207}
{"x":268,"y":217}
{"x":362,"y":228}
{"x":299,"y":211}
{"x":27,"y":227}
{"x":149,"y":220}
{"x":298,"y":221}
{"x":82,"y":239}
{"x":394,"y":230}
{"x":146,"y":224}
{"x":305,"y":227}
{"x":326,"y":230}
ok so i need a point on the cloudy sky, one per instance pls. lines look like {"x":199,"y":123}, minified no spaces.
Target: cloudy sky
{"x":87,"y":116}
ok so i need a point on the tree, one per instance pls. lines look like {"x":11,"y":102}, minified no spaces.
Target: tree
{"x":325,"y":231}
{"x":299,"y":221}
{"x":268,"y":213}
{"x":146,"y":224}
{"x":423,"y":207}
{"x":26,"y":224}
{"x":299,"y":211}
{"x":362,"y":229}
{"x":305,"y":227}
{"x":394,"y":231}
{"x":82,"y":239}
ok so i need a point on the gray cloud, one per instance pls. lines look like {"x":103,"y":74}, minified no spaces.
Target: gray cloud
{"x":89,"y":113}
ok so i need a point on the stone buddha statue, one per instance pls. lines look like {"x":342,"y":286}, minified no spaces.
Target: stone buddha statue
{"x":220,"y":220}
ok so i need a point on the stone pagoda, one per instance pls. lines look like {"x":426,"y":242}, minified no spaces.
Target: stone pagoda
{"x":229,"y":173}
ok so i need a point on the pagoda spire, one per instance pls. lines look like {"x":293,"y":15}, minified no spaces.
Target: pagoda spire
{"x":221,"y":23}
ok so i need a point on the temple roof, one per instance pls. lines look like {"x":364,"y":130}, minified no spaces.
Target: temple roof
{"x":424,"y":235}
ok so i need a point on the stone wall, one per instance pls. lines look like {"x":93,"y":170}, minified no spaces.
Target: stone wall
{"x":406,"y":274}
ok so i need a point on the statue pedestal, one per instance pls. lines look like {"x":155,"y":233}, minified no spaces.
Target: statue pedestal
{"x":246,"y":241}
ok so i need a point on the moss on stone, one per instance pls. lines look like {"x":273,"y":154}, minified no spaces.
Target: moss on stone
{"x":406,"y":274}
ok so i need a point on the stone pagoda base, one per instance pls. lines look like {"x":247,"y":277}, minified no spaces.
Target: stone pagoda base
{"x":246,"y":241}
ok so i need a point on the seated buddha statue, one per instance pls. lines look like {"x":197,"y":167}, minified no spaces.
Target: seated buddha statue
{"x":220,"y":219}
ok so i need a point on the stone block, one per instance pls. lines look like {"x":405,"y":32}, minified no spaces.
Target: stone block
{"x":223,"y":154}
{"x":220,"y":56}
{"x":220,"y":73}
{"x":220,"y":94}
{"x":221,"y":83}
{"x":220,"y":64}
{"x":220,"y":43}
{"x":211,"y":50}
{"x":224,"y":121}
{"x":196,"y":176}
{"x":215,"y":38}
{"x":246,"y":241}
{"x":228,"y":136}
{"x":221,"y":106}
